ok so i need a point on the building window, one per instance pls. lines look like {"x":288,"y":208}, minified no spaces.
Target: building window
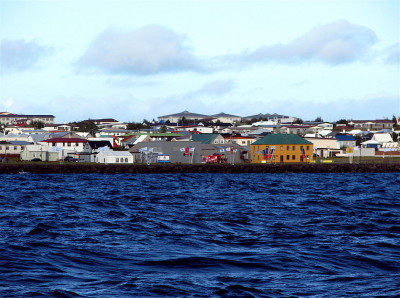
{"x":281,"y":148}
{"x":287,"y":157}
{"x":117,"y":159}
{"x":293,"y":157}
{"x":53,"y":144}
{"x":15,"y":147}
{"x":76,"y":144}
{"x":287,"y":148}
{"x":293,"y":148}
{"x":69,"y":144}
{"x":126,"y":159}
{"x":308,"y":147}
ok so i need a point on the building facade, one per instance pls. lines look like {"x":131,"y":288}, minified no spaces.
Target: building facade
{"x":281,"y":148}
{"x":12,"y":119}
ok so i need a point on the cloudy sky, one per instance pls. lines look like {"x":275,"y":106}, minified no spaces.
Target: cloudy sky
{"x":134,"y":60}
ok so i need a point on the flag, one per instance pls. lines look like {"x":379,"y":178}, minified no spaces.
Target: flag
{"x":182,"y":149}
{"x":187,"y":151}
{"x":303,"y":152}
{"x":272,"y":152}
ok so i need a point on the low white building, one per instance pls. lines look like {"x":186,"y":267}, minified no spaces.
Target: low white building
{"x":41,"y":152}
{"x":114,"y":157}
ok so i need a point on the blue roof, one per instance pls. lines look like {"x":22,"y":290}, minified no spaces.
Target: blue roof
{"x":345,"y":138}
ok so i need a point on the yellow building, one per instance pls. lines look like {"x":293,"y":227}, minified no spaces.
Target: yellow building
{"x":281,"y":148}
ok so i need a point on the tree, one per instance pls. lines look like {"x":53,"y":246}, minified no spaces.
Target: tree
{"x":37,"y":124}
{"x":87,"y":126}
{"x":342,"y":121}
{"x":298,"y":121}
{"x":318,"y":119}
{"x":137,"y":125}
{"x":163,"y":129}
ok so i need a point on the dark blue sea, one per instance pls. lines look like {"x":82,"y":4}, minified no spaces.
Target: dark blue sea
{"x":200,"y":235}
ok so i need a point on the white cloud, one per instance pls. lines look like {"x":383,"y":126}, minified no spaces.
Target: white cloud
{"x":391,"y":55}
{"x":149,"y":50}
{"x":334,"y":43}
{"x":21,"y":55}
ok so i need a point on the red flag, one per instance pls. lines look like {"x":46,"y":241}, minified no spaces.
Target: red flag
{"x":187,"y":151}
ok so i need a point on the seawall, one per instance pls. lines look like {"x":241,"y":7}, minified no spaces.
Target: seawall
{"x":201,"y":168}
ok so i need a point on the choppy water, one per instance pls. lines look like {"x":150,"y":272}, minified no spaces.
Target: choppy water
{"x":200,"y":235}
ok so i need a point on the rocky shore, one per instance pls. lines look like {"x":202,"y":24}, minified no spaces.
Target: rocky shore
{"x":201,"y":168}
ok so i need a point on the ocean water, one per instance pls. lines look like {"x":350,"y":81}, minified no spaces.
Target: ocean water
{"x":200,"y":235}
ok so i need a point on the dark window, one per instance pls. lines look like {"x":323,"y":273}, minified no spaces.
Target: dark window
{"x":293,"y":157}
{"x":287,"y":157}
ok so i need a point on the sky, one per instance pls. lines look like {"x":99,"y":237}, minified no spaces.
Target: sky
{"x":134,"y":60}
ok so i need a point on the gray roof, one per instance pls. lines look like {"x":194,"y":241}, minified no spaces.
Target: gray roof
{"x":185,"y":114}
{"x":222,"y":114}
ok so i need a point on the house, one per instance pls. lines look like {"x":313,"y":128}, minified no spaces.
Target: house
{"x":67,"y":146}
{"x":41,"y":152}
{"x":325,"y":147}
{"x":239,"y":140}
{"x":281,"y":148}
{"x":114,"y":157}
{"x":208,"y":138}
{"x":295,"y":129}
{"x":10,"y":119}
{"x":92,"y":148}
{"x":12,"y":148}
{"x":345,"y":141}
{"x":371,"y":124}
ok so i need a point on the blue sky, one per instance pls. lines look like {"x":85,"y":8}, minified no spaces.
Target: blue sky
{"x":134,"y":60}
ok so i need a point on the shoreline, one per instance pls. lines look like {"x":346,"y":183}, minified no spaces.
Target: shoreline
{"x":197,"y":168}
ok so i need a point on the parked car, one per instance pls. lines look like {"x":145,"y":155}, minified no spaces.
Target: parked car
{"x":70,"y":158}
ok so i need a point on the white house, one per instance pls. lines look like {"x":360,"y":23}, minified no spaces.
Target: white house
{"x":114,"y":157}
{"x":66,"y":145}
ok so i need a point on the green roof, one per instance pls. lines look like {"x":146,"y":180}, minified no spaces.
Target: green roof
{"x":278,"y":139}
{"x":204,"y":138}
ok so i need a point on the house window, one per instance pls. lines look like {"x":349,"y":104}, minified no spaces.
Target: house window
{"x":53,"y":144}
{"x":287,"y":148}
{"x":308,"y":147}
{"x":126,"y":159}
{"x":76,"y":144}
{"x":293,"y":157}
{"x":15,"y":147}
{"x":293,"y":148}
{"x":287,"y":157}
{"x":69,"y":144}
{"x":117,"y":159}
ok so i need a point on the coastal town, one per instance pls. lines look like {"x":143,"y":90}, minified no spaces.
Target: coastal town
{"x":191,"y":138}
